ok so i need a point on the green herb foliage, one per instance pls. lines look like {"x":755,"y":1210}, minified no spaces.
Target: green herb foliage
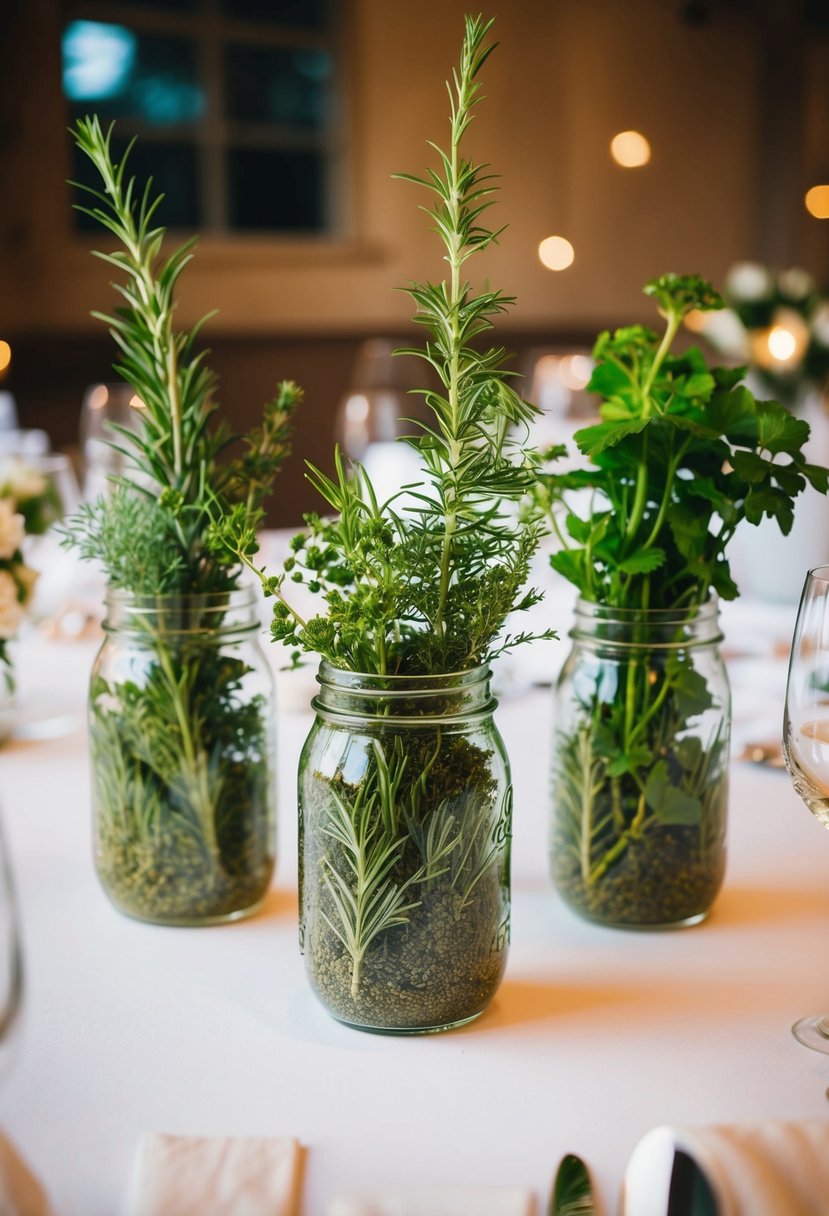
{"x":405,"y":862}
{"x":182,"y":789}
{"x":179,"y":477}
{"x":427,"y":586}
{"x":404,"y":893}
{"x":180,"y":726}
{"x":682,"y":455}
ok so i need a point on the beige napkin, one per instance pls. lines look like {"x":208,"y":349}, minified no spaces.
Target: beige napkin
{"x":213,"y":1176}
{"x":20,"y":1192}
{"x":766,"y":1169}
{"x":433,"y":1201}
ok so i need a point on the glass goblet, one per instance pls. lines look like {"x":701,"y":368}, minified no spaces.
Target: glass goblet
{"x":11,"y":961}
{"x":806,"y":734}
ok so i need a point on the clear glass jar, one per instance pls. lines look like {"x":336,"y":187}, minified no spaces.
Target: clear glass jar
{"x":405,"y":810}
{"x":181,"y":723}
{"x":640,"y":766}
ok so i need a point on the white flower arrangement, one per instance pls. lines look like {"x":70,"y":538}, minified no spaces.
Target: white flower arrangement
{"x":777,"y":322}
{"x":26,"y":508}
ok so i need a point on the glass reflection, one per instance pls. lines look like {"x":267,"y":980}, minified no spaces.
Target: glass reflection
{"x":139,"y":76}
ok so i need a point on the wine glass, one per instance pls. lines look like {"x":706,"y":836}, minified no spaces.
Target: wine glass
{"x":105,"y":405}
{"x":11,"y":961}
{"x":806,"y":734}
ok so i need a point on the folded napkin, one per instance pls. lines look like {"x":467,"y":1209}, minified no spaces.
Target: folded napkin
{"x":433,"y":1201}
{"x":767,"y":1169}
{"x":20,"y":1192}
{"x":213,"y":1176}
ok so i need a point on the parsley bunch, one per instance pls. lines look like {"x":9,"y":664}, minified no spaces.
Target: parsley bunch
{"x":682,"y":455}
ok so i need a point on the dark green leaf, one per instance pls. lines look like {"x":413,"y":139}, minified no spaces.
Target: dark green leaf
{"x":643,"y":561}
{"x":668,"y":803}
{"x":572,"y":1193}
{"x":594,"y":439}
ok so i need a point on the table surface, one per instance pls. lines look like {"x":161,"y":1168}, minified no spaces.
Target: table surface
{"x":595,"y":1036}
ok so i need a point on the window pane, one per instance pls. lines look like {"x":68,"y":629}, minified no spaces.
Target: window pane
{"x":282,"y":85}
{"x":174,"y":170}
{"x":276,"y":191}
{"x":298,"y":14}
{"x":164,"y":6}
{"x":122,"y":73}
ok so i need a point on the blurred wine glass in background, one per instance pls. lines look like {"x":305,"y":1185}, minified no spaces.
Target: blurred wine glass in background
{"x":556,"y":383}
{"x":806,"y":737}
{"x":11,"y":956}
{"x":371,"y":418}
{"x":104,"y":407}
{"x":57,"y":569}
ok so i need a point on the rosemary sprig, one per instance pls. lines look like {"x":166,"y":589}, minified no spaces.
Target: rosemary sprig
{"x":178,"y":478}
{"x":426,"y":586}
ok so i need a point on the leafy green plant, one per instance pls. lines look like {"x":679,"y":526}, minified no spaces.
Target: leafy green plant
{"x":424,"y":588}
{"x":404,"y":887}
{"x":178,"y":478}
{"x":682,"y":455}
{"x":183,"y":833}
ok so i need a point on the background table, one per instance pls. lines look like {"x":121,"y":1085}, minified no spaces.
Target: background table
{"x":595,"y":1036}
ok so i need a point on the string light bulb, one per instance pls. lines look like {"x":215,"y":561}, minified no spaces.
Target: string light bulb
{"x":782,"y":343}
{"x":817,"y":202}
{"x":556,"y":253}
{"x":630,"y":149}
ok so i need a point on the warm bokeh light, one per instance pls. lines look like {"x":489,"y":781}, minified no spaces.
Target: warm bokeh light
{"x":136,"y":403}
{"x":556,"y":253}
{"x":98,"y":397}
{"x":630,"y":149}
{"x":817,"y":202}
{"x":5,"y":356}
{"x":695,"y":320}
{"x":575,"y":371}
{"x":782,"y":344}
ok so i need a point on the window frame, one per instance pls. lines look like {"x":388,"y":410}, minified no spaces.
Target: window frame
{"x":214,"y":133}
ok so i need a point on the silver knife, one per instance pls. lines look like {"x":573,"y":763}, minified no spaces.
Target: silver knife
{"x":572,"y":1193}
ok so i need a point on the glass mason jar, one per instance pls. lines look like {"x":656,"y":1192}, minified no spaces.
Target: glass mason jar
{"x":181,"y":722}
{"x":640,"y":766}
{"x":405,"y":810}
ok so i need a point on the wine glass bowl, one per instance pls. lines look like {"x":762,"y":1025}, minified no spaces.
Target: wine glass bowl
{"x":11,"y":960}
{"x":806,"y":733}
{"x":105,"y":406}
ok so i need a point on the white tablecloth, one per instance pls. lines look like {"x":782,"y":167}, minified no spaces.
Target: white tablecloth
{"x":595,"y":1036}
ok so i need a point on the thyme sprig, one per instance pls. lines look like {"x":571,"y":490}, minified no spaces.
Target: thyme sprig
{"x":425,"y":584}
{"x":178,"y":473}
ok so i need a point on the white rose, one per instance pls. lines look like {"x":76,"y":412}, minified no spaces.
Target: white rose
{"x":21,"y":481}
{"x":12,"y":528}
{"x":796,"y":283}
{"x":724,"y":329}
{"x":748,"y":281}
{"x":11,"y":610}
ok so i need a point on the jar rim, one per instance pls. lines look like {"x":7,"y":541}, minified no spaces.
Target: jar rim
{"x":204,"y":614}
{"x":630,"y":629}
{"x":234,"y":597}
{"x":466,"y":676}
{"x":353,"y":697}
{"x":706,"y":611}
